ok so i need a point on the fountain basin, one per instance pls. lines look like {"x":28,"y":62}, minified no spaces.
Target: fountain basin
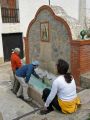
{"x":36,"y":87}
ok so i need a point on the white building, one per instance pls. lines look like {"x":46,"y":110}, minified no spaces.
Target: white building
{"x":10,"y":30}
{"x":15,"y":16}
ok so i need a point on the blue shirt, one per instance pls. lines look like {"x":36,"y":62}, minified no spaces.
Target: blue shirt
{"x":26,"y":71}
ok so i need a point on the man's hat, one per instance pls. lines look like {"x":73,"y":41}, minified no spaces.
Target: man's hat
{"x":17,"y":50}
{"x":35,"y":62}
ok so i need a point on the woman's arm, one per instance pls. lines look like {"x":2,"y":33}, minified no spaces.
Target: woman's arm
{"x":52,"y":94}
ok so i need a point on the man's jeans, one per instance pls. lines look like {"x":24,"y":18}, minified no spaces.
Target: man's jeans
{"x":23,"y":90}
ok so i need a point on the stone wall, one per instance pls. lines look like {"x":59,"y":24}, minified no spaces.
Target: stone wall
{"x":1,"y":60}
{"x":58,"y":43}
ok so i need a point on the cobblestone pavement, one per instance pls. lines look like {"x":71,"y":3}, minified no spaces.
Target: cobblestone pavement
{"x":12,"y":107}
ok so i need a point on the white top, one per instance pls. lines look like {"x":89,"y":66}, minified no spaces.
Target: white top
{"x":65,"y":91}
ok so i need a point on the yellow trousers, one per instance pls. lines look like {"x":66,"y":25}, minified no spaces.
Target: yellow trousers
{"x":69,"y":106}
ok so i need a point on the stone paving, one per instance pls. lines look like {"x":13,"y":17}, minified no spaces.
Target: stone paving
{"x":12,"y":107}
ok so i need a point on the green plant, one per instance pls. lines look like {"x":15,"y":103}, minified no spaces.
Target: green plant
{"x":83,"y":33}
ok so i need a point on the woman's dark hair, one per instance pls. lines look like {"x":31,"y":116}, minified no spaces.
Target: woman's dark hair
{"x":62,"y":68}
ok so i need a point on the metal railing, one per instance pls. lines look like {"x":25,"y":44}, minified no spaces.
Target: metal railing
{"x":10,"y":15}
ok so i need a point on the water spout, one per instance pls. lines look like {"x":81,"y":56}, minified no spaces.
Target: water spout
{"x":43,"y":80}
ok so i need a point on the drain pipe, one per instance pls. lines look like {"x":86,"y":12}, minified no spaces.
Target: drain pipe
{"x":49,"y":2}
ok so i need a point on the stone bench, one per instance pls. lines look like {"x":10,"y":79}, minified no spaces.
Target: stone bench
{"x":81,"y":114}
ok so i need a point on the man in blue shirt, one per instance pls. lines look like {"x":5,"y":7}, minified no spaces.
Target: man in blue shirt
{"x":23,"y":75}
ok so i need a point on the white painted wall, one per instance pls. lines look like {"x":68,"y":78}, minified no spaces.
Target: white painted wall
{"x":11,"y":28}
{"x":28,"y":10}
{"x":1,"y":49}
{"x":82,"y":13}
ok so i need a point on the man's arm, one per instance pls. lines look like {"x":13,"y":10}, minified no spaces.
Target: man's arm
{"x":29,"y":72}
{"x":18,"y":62}
{"x":36,"y":75}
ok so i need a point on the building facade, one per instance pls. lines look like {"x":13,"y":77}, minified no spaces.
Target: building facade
{"x":15,"y":16}
{"x":10,"y":34}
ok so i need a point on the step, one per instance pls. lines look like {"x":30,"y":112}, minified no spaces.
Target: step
{"x":82,"y":113}
{"x":85,"y":80}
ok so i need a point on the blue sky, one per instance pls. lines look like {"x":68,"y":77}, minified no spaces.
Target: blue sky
{"x":70,"y":6}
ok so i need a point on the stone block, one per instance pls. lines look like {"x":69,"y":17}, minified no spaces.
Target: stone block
{"x":1,"y":60}
{"x":84,"y":96}
{"x":36,"y":95}
{"x":1,"y":117}
{"x":85,"y":80}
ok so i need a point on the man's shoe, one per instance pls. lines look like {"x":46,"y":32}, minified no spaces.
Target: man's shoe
{"x":28,"y":99}
{"x":13,"y":91}
{"x":20,"y":97}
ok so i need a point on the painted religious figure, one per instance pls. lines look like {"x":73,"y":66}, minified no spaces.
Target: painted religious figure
{"x":45,"y":31}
